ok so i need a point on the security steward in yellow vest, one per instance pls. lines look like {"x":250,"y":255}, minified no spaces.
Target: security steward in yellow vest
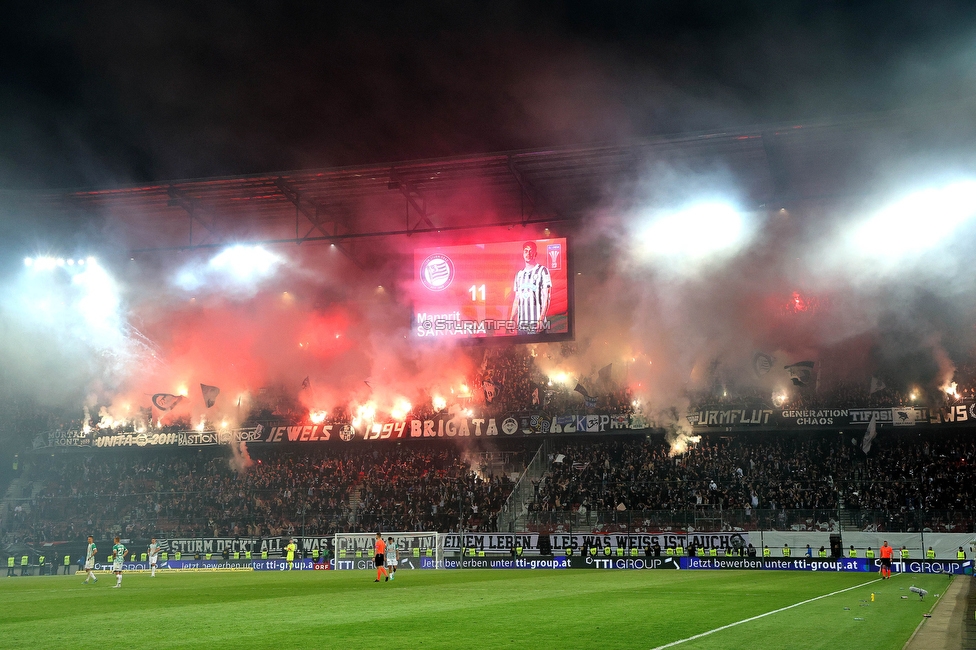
{"x":822,"y":553}
{"x":852,"y":552}
{"x":24,"y":565}
{"x":67,"y":563}
{"x":40,"y":565}
{"x":767,"y":552}
{"x":869,"y":554}
{"x":786,"y":550}
{"x":960,"y":554}
{"x":11,"y":560}
{"x":607,"y":551}
{"x":930,"y":554}
{"x":905,"y":553}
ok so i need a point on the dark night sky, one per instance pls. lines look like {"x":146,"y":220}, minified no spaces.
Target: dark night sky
{"x":97,"y":94}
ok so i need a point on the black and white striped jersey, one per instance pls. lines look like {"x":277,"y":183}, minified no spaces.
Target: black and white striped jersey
{"x":530,"y":285}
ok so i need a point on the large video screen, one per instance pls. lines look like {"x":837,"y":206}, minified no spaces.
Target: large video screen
{"x":519,"y":290}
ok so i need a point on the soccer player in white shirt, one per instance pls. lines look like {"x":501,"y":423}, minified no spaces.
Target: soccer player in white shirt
{"x":118,"y":553}
{"x":392,"y":557}
{"x":532,"y":290}
{"x":90,"y":560}
{"x":153,"y":556}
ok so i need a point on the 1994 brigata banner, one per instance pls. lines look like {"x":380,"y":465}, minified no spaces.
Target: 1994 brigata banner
{"x":409,"y":429}
{"x":738,"y":419}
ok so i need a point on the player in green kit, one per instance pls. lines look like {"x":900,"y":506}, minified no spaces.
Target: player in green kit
{"x":90,"y":560}
{"x":153,"y":556}
{"x":392,"y":557}
{"x":118,"y":554}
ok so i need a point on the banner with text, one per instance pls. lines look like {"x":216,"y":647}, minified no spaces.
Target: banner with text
{"x":530,"y":541}
{"x":757,"y":419}
{"x":962,"y":414}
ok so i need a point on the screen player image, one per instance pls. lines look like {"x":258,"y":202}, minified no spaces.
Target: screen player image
{"x":518,"y":288}
{"x":532,"y":291}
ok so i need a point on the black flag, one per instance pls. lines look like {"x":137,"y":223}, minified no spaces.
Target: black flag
{"x":800,"y":373}
{"x":209,"y":394}
{"x":306,"y":383}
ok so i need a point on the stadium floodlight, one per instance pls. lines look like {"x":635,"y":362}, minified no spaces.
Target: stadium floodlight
{"x":693,"y":235}
{"x":246,"y":262}
{"x":914,"y":224}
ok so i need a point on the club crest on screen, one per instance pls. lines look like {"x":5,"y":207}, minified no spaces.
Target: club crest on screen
{"x":437,"y":272}
{"x":555,"y":254}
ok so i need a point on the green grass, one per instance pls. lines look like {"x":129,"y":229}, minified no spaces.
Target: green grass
{"x":461,"y":609}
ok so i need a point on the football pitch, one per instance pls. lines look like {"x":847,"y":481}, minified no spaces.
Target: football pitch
{"x":466,"y":609}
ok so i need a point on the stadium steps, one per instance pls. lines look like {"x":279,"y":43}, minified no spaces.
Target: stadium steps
{"x":846,"y":520}
{"x":14,"y":496}
{"x":354,"y":504}
{"x":523,"y":493}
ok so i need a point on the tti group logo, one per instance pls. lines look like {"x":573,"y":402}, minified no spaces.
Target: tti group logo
{"x":437,"y":272}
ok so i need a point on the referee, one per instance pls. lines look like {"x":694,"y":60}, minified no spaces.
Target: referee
{"x":380,"y":558}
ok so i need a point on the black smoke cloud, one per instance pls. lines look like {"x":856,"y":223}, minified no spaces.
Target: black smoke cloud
{"x":145,"y":92}
{"x":118,"y":92}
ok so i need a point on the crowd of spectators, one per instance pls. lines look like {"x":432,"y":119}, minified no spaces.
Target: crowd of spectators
{"x":908,"y":481}
{"x":718,"y":473}
{"x":430,"y":491}
{"x":179,"y":493}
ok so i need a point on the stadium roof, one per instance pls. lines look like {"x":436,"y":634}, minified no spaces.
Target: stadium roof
{"x":771,"y":166}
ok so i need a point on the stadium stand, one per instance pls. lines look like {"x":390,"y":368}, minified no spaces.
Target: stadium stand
{"x":910,"y":482}
{"x":315,"y":492}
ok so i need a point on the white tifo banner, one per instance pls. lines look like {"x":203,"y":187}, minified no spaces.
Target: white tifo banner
{"x":356,"y":550}
{"x":495,"y":542}
{"x":944,"y":545}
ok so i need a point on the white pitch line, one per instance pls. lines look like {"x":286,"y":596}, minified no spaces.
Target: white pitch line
{"x":754,"y":618}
